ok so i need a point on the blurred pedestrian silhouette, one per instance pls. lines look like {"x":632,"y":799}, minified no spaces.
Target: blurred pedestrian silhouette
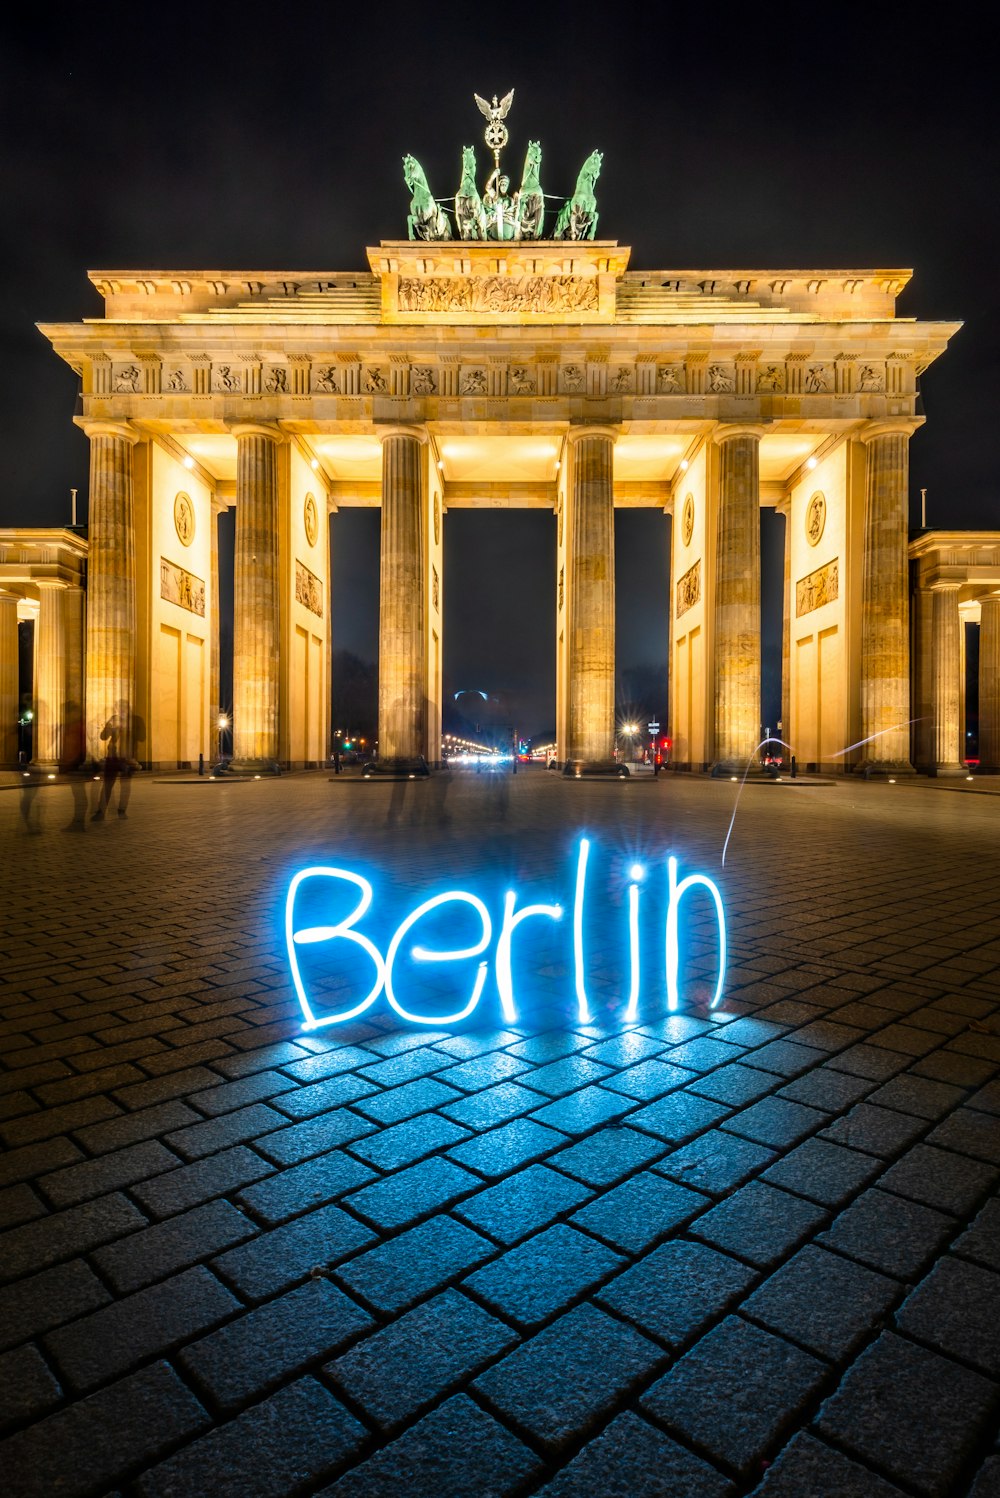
{"x":73,"y":747}
{"x":119,"y":764}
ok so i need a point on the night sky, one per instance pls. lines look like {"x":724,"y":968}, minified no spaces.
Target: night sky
{"x":186,"y":137}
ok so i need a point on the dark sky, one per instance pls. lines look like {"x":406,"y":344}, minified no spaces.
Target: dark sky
{"x":250,"y":137}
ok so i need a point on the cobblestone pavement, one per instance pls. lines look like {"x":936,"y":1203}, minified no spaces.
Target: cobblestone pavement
{"x":755,"y":1250}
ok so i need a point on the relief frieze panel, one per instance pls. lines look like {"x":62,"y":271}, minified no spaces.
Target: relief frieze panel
{"x":497,"y":294}
{"x":689,"y":589}
{"x":182,"y":588}
{"x":308,"y":589}
{"x":818,"y":588}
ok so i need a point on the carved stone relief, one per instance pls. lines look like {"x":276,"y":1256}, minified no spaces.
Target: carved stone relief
{"x":820,"y":587}
{"x":184,"y":519}
{"x":310,"y":519}
{"x":819,"y":378}
{"x":871,"y":378}
{"x":670,"y":379}
{"x":127,"y":380}
{"x":771,"y":377}
{"x":375,"y":383}
{"x":182,"y":588}
{"x":562,"y":575}
{"x":328,"y":380}
{"x":815,"y":518}
{"x":497,"y":294}
{"x":689,"y":589}
{"x":277,"y":381}
{"x":473,"y":382}
{"x":308,"y":589}
{"x":622,"y":381}
{"x":437,"y":520}
{"x":227,"y":379}
{"x":435,"y":589}
{"x":720,"y":380}
{"x":521,"y":381}
{"x":572,"y":377}
{"x":687,"y":520}
{"x":423,"y":380}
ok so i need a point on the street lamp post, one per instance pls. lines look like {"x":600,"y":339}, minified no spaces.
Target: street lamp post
{"x":223,"y":725}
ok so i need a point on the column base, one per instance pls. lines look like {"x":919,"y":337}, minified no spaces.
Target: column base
{"x":954,"y":768}
{"x":882,"y":767}
{"x":399,"y":767}
{"x":260,"y":767}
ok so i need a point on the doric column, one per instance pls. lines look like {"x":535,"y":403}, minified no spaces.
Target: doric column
{"x":50,"y":676}
{"x":402,"y":662}
{"x":785,"y":510}
{"x":111,"y":621}
{"x":328,"y":731}
{"x":256,"y":599}
{"x":885,"y":639}
{"x":9,"y":700}
{"x":737,"y":597}
{"x":591,"y":596}
{"x":215,"y":707}
{"x":989,"y":685}
{"x":947,"y":687}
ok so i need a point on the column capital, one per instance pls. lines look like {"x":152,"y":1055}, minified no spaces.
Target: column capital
{"x":49,"y":584}
{"x":904,"y":427}
{"x":384,"y":431}
{"x":591,"y":429}
{"x":726,"y":430}
{"x":93,"y":428}
{"x":257,"y":429}
{"x":219,"y":506}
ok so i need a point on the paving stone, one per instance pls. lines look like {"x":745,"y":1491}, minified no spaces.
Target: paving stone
{"x":36,"y":1304}
{"x":624,"y":1050}
{"x":716,"y":1162}
{"x":307,"y":1102}
{"x":130,"y":1128}
{"x":911,"y":1413}
{"x":969,"y":1133}
{"x":477,"y":1043}
{"x":222,"y":1133}
{"x":561,"y":1077}
{"x":404,"y":1102}
{"x":759,"y":1223}
{"x":397,"y":1042}
{"x":411,"y":1194}
{"x":675,"y":1029}
{"x":703,"y":1054}
{"x":505,"y":1149}
{"x":20,"y":1204}
{"x":543,"y":1276}
{"x":785,"y":1058}
{"x":329,"y":1064}
{"x":162,"y":1089}
{"x":824,"y":1172}
{"x":113,"y":1340}
{"x":896,"y":1236}
{"x":736,"y":1084}
{"x":541,"y":1049}
{"x":776,"y":1123}
{"x":28,"y":1388}
{"x":558,"y":1384}
{"x":492,"y":1106}
{"x":952,"y":1183}
{"x":827,"y":1304}
{"x":608,"y":1156}
{"x":274,"y":1261}
{"x":470,"y":1076}
{"x":44,"y":1124}
{"x":453,"y":1452}
{"x":957,"y":1310}
{"x":828,"y":1090}
{"x":314,"y":1137}
{"x":268,"y":1346}
{"x":879,"y":1131}
{"x":399,"y":1371}
{"x":260,"y":1060}
{"x":634,"y":1216}
{"x":583,"y":1111}
{"x":62,"y":1235}
{"x":949,"y":1066}
{"x":753,"y":1032}
{"x":908,"y":1039}
{"x":394,"y":1275}
{"x":735,"y":1392}
{"x":648,"y":1080}
{"x":678,"y":1117}
{"x":987,"y":1483}
{"x":981,"y":1241}
{"x":159,"y":1251}
{"x":300,"y":1433}
{"x":677,"y":1290}
{"x":810,"y":1467}
{"x":919,"y":1096}
{"x":89,"y":1445}
{"x":181,"y":1189}
{"x":404,"y":1143}
{"x":298,"y":1188}
{"x":77,"y":1183}
{"x":870,"y":1061}
{"x":630,"y":1459}
{"x":35,"y":1159}
{"x":522,"y":1204}
{"x":226,"y":1097}
{"x":987,"y":1099}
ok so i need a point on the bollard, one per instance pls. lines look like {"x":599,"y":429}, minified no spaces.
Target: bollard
{"x":201,"y":764}
{"x":795,"y":768}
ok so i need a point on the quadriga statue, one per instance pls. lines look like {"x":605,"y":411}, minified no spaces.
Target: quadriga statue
{"x":427,"y":219}
{"x":530,"y":199}
{"x":470,"y":215}
{"x":578,"y":215}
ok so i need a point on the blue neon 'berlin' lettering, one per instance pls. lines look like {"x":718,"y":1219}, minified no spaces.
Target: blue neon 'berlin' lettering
{"x":677,"y":892}
{"x":345,"y":930}
{"x":342,"y":930}
{"x":421,"y":954}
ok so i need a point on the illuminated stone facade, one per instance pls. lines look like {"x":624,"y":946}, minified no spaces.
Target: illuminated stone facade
{"x":535,"y":374}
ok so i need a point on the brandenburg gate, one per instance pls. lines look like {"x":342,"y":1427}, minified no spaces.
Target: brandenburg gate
{"x":505,"y":369}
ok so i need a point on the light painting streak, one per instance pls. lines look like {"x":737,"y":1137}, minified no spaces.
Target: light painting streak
{"x":583,"y":1008}
{"x":632,"y":1008}
{"x":343,"y":931}
{"x":873,"y":736}
{"x":676,"y":894}
{"x":505,"y":977}
{"x":743,"y":782}
{"x":421,"y":954}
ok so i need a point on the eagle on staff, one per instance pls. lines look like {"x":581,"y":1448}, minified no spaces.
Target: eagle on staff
{"x":495,"y":114}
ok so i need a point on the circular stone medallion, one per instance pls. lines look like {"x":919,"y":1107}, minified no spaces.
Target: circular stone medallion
{"x":310,"y":519}
{"x":687,"y":520}
{"x":815,"y":518}
{"x":184,"y":519}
